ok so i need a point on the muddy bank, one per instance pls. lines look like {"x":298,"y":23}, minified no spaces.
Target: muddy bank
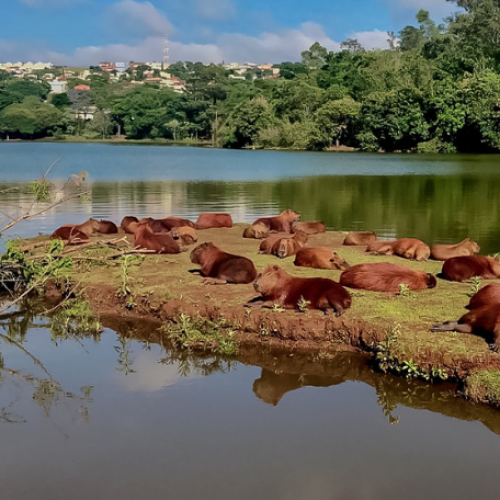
{"x":393,"y":329}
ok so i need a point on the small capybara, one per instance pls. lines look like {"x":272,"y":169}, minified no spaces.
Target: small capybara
{"x":408,"y":248}
{"x":360,"y":238}
{"x":466,"y":267}
{"x":186,"y":234}
{"x":89,"y":227}
{"x":129,"y":224}
{"x":219,"y":267}
{"x":106,"y":227}
{"x":285,"y":247}
{"x":256,"y":231}
{"x":487,"y":296}
{"x":483,"y":321}
{"x":281,"y":223}
{"x":314,"y":227}
{"x":320,"y":258}
{"x":445,"y":252}
{"x":146,"y":238}
{"x":271,"y":244}
{"x":385,"y":277}
{"x":69,"y":233}
{"x":276,"y":286}
{"x":207,"y":221}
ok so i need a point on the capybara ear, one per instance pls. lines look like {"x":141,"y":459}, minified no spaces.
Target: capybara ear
{"x":276,"y":267}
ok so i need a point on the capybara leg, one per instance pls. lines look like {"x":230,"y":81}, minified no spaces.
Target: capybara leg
{"x":254,"y":301}
{"x":214,"y":281}
{"x":452,"y":326}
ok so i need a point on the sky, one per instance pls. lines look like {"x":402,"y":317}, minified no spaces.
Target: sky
{"x":85,"y":32}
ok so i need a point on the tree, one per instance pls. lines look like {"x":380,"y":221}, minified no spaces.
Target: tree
{"x":351,"y":45}
{"x":315,"y":57}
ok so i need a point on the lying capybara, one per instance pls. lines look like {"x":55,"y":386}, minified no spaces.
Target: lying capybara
{"x":89,"y":227}
{"x":360,"y":238}
{"x":106,"y":227}
{"x":408,"y":248}
{"x":315,"y":227}
{"x":483,"y":321}
{"x":69,"y":233}
{"x":271,"y":244}
{"x":282,"y":222}
{"x":219,"y":267}
{"x":285,"y":247}
{"x":156,"y":225}
{"x":171,"y":222}
{"x":207,"y":221}
{"x":466,"y":267}
{"x":445,"y":252}
{"x":320,"y":258}
{"x":146,"y":238}
{"x":256,"y":231}
{"x":385,"y":277}
{"x":129,"y":224}
{"x":487,"y":296}
{"x":186,"y":234}
{"x":276,"y":286}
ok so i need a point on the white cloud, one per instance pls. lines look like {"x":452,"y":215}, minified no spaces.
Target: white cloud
{"x":215,"y":9}
{"x":140,"y":18}
{"x":372,"y":39}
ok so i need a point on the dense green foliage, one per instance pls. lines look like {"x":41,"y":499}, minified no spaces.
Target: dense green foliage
{"x":435,"y":89}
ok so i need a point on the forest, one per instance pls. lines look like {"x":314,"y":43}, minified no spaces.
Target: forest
{"x":436,"y":88}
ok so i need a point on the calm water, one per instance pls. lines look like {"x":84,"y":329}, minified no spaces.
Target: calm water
{"x":120,"y":418}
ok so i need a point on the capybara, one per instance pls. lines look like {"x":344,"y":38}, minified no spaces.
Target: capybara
{"x":466,"y":267}
{"x":89,"y":227}
{"x":360,"y":238}
{"x":156,"y":225}
{"x":69,"y":233}
{"x":186,"y":234}
{"x":206,"y":221}
{"x":219,"y":267}
{"x":276,"y":286}
{"x":146,"y":238}
{"x":106,"y":227}
{"x":487,"y":296}
{"x":385,"y":277}
{"x":256,"y":231}
{"x":408,"y":248}
{"x":483,"y":321}
{"x":445,"y":252}
{"x":281,"y":222}
{"x":171,"y":222}
{"x":270,"y":245}
{"x":315,"y":227}
{"x":320,"y":258}
{"x":285,"y":247}
{"x":129,"y":224}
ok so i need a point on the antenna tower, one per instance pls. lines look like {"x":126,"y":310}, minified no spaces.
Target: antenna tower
{"x":166,"y":48}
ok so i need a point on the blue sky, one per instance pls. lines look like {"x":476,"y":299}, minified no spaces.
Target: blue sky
{"x":88,"y":31}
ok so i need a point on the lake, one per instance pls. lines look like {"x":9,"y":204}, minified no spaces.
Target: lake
{"x":118,"y":417}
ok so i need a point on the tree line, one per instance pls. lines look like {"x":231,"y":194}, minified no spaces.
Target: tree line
{"x":436,"y":88}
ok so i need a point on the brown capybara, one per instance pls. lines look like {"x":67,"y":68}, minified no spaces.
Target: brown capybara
{"x":146,"y":238}
{"x":285,"y":247}
{"x":466,"y":267}
{"x":186,"y":234}
{"x":276,"y":286}
{"x":487,"y":296}
{"x":408,"y":248}
{"x":156,"y":225}
{"x":483,"y":321}
{"x":268,"y":246}
{"x":207,"y":221}
{"x":171,"y":222}
{"x":256,"y":231}
{"x":320,"y":258}
{"x":412,"y":249}
{"x":360,"y":238}
{"x":89,"y":227}
{"x":315,"y":227}
{"x":129,"y":224}
{"x":106,"y":227}
{"x":281,"y":223}
{"x":219,"y":267}
{"x":445,"y":252}
{"x":70,"y":233}
{"x":385,"y":277}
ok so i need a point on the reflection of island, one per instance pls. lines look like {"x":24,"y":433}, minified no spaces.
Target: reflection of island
{"x":282,"y":374}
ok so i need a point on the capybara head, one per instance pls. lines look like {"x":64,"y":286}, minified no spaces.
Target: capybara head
{"x":286,"y":247}
{"x":198,"y":254}
{"x":431,"y":281}
{"x":472,"y":246}
{"x":338,"y":262}
{"x":290,"y":215}
{"x":256,"y":231}
{"x":269,"y":278}
{"x":301,"y":237}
